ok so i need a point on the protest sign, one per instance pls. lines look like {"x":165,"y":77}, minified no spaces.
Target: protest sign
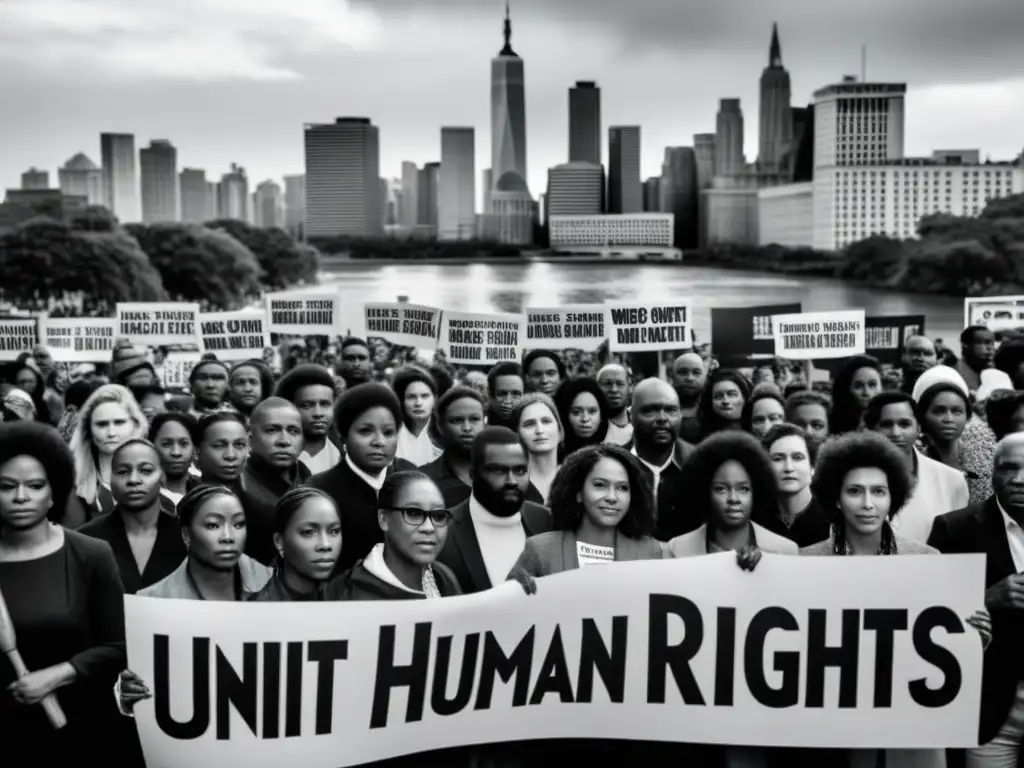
{"x":233,"y":336}
{"x":17,"y":335}
{"x":158,"y":323}
{"x":80,"y":339}
{"x":741,"y":333}
{"x":578,"y":326}
{"x":819,"y":335}
{"x":885,"y":335}
{"x":305,"y":314}
{"x":481,"y":339}
{"x":408,"y":325}
{"x":678,"y":650}
{"x":177,"y":368}
{"x":997,"y":313}
{"x":648,"y":326}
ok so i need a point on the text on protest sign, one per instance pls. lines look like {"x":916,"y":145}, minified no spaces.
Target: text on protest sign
{"x":648,"y":326}
{"x":618,"y":652}
{"x":739,"y":333}
{"x":235,"y":336}
{"x":17,"y":335}
{"x":819,"y":335}
{"x":155,"y":324}
{"x":579,"y":326}
{"x":80,"y":339}
{"x":407,"y":325}
{"x":997,"y":313}
{"x":304,"y":314}
{"x":177,"y":370}
{"x":885,"y":335}
{"x":472,"y":338}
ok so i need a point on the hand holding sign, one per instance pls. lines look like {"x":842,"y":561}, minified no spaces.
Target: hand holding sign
{"x":37,"y":681}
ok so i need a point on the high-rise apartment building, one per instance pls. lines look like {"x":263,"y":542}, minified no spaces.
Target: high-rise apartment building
{"x":427,"y":195}
{"x":268,"y":205}
{"x":295,"y":204}
{"x":195,"y":196}
{"x":776,"y":126}
{"x":33,"y":178}
{"x":574,"y":189}
{"x":457,"y":185}
{"x":585,"y":123}
{"x":625,"y":192}
{"x":679,"y":194}
{"x":342,"y":178}
{"x":729,"y":158}
{"x":120,"y":180}
{"x":81,"y":177}
{"x":158,"y":164}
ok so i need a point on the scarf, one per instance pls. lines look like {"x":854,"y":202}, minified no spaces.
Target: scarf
{"x":375,"y":564}
{"x":840,"y":546}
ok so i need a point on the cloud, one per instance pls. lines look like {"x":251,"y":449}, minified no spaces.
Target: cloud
{"x":200,"y":40}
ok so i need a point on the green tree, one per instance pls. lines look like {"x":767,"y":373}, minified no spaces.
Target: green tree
{"x":1011,"y":207}
{"x":285,"y":263}
{"x":878,"y":260}
{"x":95,"y":218}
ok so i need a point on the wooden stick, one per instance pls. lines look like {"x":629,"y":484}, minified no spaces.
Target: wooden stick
{"x":9,"y":645}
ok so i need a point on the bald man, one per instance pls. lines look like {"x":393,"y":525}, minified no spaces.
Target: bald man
{"x":994,"y":528}
{"x":614,"y":382}
{"x":656,"y":416}
{"x":272,"y":469}
{"x":689,"y":375}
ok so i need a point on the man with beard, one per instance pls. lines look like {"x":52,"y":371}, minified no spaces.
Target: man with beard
{"x":310,"y":388}
{"x":506,"y":386}
{"x":918,"y":356}
{"x":272,"y":469}
{"x":656,"y":417}
{"x":209,"y":384}
{"x":145,"y":539}
{"x":458,"y":418}
{"x":977,"y":349}
{"x":356,"y":365}
{"x":489,"y":529}
{"x":614,"y":382}
{"x":250,"y":382}
{"x":689,"y":375}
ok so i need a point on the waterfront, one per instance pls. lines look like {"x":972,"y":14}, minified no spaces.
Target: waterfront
{"x":511,"y":287}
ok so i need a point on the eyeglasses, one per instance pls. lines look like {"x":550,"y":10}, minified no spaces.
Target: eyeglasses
{"x":415,"y":516}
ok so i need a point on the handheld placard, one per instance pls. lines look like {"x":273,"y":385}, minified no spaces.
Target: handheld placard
{"x":9,"y":645}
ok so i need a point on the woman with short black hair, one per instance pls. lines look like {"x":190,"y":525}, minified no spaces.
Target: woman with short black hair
{"x":417,"y":392}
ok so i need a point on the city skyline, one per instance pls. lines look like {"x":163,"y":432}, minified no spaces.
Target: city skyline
{"x":411,"y":105}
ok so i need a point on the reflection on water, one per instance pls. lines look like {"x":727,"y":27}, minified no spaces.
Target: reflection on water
{"x":511,"y":287}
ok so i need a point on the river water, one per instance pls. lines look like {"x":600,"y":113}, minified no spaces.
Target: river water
{"x":512,"y":287}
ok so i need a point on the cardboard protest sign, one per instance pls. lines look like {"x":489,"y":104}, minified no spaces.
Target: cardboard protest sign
{"x":741,"y":333}
{"x":177,"y":368}
{"x":407,"y":325}
{"x":675,"y":651}
{"x":305,"y":314}
{"x":648,"y":326}
{"x":234,"y":336}
{"x":577,"y":326}
{"x":17,"y":334}
{"x":80,"y":339}
{"x":481,"y":338}
{"x":819,"y":335}
{"x":997,"y":313}
{"x":160,"y":323}
{"x":885,"y":335}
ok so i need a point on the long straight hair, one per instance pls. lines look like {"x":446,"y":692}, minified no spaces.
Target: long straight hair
{"x":87,"y":470}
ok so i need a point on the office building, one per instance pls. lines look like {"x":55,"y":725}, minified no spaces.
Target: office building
{"x":195,"y":196}
{"x":457,"y":185}
{"x":585,"y":123}
{"x":295,"y":205}
{"x":704,"y":150}
{"x":268,"y":205}
{"x":233,"y":195}
{"x":158,"y":164}
{"x":33,"y":178}
{"x":679,"y":194}
{"x":81,"y":177}
{"x":426,"y":196}
{"x":342,"y":178}
{"x":729,"y":157}
{"x":508,"y":117}
{"x":574,"y":189}
{"x":776,"y":127}
{"x":568,"y":233}
{"x":410,"y":188}
{"x":625,"y":192}
{"x":120,"y":181}
{"x":652,"y":194}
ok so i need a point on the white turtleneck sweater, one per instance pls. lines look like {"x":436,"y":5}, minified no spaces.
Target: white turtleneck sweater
{"x":501,"y":540}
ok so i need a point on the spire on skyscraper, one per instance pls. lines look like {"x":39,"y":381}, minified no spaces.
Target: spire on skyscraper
{"x":775,"y":54}
{"x":507,"y":50}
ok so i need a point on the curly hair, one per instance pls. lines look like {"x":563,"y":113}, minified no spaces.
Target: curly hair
{"x":761,"y":392}
{"x":567,"y":511}
{"x":87,"y":471}
{"x":567,"y":393}
{"x":1000,"y":412}
{"x":711,"y":422}
{"x":44,"y":444}
{"x":304,"y":375}
{"x":507,"y":368}
{"x":712,"y":453}
{"x":846,"y":412}
{"x":842,"y":454}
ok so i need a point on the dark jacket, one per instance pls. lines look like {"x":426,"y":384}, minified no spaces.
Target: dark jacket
{"x":79,"y":512}
{"x":809,"y":528}
{"x":260,"y":488}
{"x":672,"y":518}
{"x":276,"y":591}
{"x":980,"y":529}
{"x":357,"y":503}
{"x":359,"y":584}
{"x":453,"y":490}
{"x":168,"y":550}
{"x":461,"y":551}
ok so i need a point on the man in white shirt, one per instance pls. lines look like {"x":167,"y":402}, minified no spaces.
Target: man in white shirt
{"x":614,"y":382}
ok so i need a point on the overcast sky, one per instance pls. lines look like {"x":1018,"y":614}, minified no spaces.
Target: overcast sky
{"x":234,"y":80}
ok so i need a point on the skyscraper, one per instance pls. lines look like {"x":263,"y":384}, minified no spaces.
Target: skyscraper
{"x":410,"y":190}
{"x":120,"y":183}
{"x":652,"y":194}
{"x":704,"y":148}
{"x":679,"y":193}
{"x":776,"y":127}
{"x":195,"y":194}
{"x":457,"y":185}
{"x":729,"y":158}
{"x":158,"y":164}
{"x":81,"y":177}
{"x":295,"y":204}
{"x":233,"y":194}
{"x":508,"y":117}
{"x":574,"y":189}
{"x":342,"y":178}
{"x":585,"y":123}
{"x":267,"y":204}
{"x":33,"y":178}
{"x":625,"y":192}
{"x":426,"y":194}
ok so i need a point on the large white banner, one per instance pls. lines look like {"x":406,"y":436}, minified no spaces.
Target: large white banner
{"x":873,"y":651}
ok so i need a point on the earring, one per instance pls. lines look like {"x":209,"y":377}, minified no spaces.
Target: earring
{"x":280,"y":553}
